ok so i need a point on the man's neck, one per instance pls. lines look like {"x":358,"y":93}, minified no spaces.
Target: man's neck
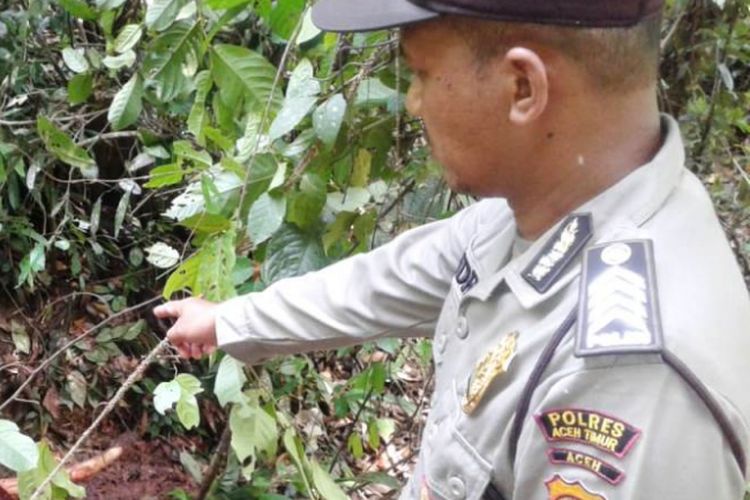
{"x":584,"y":156}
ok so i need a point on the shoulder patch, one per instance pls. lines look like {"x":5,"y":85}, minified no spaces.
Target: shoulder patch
{"x":560,"y":489}
{"x":606,"y":471}
{"x":604,"y":432}
{"x":558,"y":252}
{"x":618,"y":307}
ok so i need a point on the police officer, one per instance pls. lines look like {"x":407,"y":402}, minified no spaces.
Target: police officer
{"x":590,"y":323}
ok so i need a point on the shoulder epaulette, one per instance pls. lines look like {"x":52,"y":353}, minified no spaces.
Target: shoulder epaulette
{"x":618,"y":308}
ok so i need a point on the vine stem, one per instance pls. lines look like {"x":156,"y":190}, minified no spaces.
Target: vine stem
{"x":131,"y":380}
{"x":68,"y":345}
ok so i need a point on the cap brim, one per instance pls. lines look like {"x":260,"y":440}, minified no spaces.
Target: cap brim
{"x":367,"y":15}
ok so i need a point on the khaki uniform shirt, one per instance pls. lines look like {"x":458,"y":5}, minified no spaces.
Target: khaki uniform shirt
{"x":622,"y":423}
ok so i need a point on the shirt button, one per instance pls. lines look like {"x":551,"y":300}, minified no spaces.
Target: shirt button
{"x":462,"y":327}
{"x":457,"y":488}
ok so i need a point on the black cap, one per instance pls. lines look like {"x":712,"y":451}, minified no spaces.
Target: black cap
{"x":369,"y":15}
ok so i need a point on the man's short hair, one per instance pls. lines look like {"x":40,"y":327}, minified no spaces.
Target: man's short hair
{"x":616,"y":59}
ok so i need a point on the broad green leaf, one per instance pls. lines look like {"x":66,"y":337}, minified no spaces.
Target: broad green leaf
{"x":308,"y":30}
{"x":253,"y":430}
{"x":240,"y":72}
{"x":124,"y":60}
{"x":352,"y":200}
{"x":59,"y":144}
{"x":192,"y":201}
{"x":292,"y":252}
{"x":300,"y":98}
{"x":128,"y":38}
{"x":306,"y":204}
{"x":325,"y":484}
{"x":372,"y":92}
{"x":264,"y":169}
{"x":80,"y":88}
{"x":294,"y":447}
{"x":182,"y":391}
{"x":165,"y":175}
{"x":361,"y":170}
{"x":198,"y":114}
{"x":171,"y":58}
{"x":79,"y":9}
{"x":61,"y":486}
{"x":230,"y":378}
{"x":75,"y":59}
{"x":127,"y":104}
{"x":122,"y":208}
{"x":17,"y":451}
{"x":225,"y":4}
{"x":285,"y":16}
{"x":162,"y":255}
{"x":208,"y":272}
{"x":77,"y":387}
{"x":207,"y":223}
{"x":183,"y":277}
{"x":160,"y":14}
{"x":328,"y":118}
{"x":265,"y":217}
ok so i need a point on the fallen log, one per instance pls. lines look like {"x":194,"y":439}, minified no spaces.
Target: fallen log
{"x":79,"y":473}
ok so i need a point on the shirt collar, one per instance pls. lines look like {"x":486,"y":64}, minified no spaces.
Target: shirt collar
{"x":623,"y":207}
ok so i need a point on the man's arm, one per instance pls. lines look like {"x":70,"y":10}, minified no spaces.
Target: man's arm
{"x":395,"y":290}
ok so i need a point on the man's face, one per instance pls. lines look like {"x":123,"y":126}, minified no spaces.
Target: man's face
{"x":464,"y":107}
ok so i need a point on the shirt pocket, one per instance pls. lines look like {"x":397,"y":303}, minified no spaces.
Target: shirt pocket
{"x":452,"y":469}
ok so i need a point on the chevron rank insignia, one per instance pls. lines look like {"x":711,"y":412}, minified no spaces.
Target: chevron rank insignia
{"x":618,"y":307}
{"x":560,"y":250}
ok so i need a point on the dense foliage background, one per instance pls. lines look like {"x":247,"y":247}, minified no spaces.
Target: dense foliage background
{"x":211,"y":147}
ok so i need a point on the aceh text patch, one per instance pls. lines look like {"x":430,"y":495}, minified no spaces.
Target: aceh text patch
{"x":604,"y":432}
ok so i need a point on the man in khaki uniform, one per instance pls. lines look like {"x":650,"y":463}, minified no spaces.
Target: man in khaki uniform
{"x":591,"y":327}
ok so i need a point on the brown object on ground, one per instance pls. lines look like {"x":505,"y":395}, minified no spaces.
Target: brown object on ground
{"x":138,"y":471}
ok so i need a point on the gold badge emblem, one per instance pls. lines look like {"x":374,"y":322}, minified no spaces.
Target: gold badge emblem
{"x":492,"y":365}
{"x":560,"y":489}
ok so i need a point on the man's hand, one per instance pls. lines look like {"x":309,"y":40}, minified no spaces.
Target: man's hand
{"x":194,"y":331}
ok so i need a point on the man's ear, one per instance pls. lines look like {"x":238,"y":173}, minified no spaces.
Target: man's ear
{"x":529,"y":83}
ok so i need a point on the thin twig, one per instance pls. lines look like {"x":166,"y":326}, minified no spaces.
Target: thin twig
{"x":67,"y":346}
{"x":126,"y":134}
{"x":216,"y":462}
{"x":132,"y":379}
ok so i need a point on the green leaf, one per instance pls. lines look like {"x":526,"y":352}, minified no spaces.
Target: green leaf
{"x":253,"y":430}
{"x":79,"y":9}
{"x":292,"y":252}
{"x":285,"y":16}
{"x":122,"y":208}
{"x":352,"y":200}
{"x":325,"y":484}
{"x":60,"y":488}
{"x":207,"y":223}
{"x":230,"y":378}
{"x":127,"y":104}
{"x":124,"y":60}
{"x":294,"y":447}
{"x":300,"y":98}
{"x":165,"y":175}
{"x":80,"y":88}
{"x":225,"y":4}
{"x":75,"y":59}
{"x":306,"y":204}
{"x":77,"y":387}
{"x":265,"y":217}
{"x":63,"y":147}
{"x":17,"y":451}
{"x":328,"y":118}
{"x":198,"y":114}
{"x":361,"y":170}
{"x":172,"y":59}
{"x":162,"y":255}
{"x":128,"y":38}
{"x":240,"y":72}
{"x":182,"y":390}
{"x":160,"y":14}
